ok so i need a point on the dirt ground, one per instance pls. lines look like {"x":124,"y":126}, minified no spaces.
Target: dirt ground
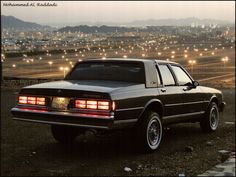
{"x":29,"y":149}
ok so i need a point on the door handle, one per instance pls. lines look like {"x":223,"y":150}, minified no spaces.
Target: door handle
{"x":163,"y":90}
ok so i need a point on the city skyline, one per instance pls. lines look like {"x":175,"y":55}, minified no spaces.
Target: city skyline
{"x":72,"y":12}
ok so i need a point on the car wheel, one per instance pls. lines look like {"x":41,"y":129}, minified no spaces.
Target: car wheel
{"x":149,"y":131}
{"x":211,"y":121}
{"x":64,"y":134}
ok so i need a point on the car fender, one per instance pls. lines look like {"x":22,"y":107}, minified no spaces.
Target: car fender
{"x":149,"y":103}
{"x":212,"y":98}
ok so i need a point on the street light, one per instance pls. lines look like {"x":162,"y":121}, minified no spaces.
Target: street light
{"x":64,"y":69}
{"x":225,"y":59}
{"x":192,"y":62}
{"x":50,"y":64}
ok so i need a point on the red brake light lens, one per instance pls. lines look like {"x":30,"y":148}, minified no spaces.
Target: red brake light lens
{"x":40,"y":100}
{"x":80,"y":104}
{"x":103,"y":105}
{"x":92,"y":104}
{"x":32,"y":100}
{"x":22,"y":99}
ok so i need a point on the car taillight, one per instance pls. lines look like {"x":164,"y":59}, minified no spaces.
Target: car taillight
{"x":80,"y":104}
{"x":113,"y":106}
{"x":32,"y":100}
{"x":22,"y":99}
{"x":103,"y":105}
{"x":93,"y":104}
{"x":40,"y":100}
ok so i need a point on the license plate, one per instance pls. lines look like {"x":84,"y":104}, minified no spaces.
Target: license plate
{"x":60,"y":102}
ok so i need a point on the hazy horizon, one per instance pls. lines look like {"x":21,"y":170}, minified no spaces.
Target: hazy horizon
{"x":74,"y":12}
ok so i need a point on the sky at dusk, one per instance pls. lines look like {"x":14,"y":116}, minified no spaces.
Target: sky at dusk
{"x":119,"y":11}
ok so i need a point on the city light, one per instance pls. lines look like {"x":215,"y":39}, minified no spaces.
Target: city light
{"x":75,"y":46}
{"x":64,"y":69}
{"x":225,"y":60}
{"x":50,"y":64}
{"x":192,"y":62}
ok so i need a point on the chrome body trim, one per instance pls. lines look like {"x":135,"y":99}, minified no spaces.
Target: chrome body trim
{"x":195,"y":102}
{"x":184,"y":115}
{"x":125,"y":121}
{"x":129,"y":109}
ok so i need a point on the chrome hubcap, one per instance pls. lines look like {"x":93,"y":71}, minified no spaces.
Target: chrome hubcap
{"x":214,"y":118}
{"x":154,"y":133}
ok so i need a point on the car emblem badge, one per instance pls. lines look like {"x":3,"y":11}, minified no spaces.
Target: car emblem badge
{"x":59,"y":91}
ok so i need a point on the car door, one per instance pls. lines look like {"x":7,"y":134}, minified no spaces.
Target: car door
{"x":169,"y":92}
{"x":193,"y":97}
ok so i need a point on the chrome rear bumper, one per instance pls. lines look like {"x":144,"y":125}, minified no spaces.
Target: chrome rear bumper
{"x":63,"y":118}
{"x":71,"y":119}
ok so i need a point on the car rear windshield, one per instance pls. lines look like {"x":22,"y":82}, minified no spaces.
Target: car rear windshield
{"x":113,"y":71}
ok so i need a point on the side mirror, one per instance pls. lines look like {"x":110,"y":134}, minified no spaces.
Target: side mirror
{"x":195,"y":84}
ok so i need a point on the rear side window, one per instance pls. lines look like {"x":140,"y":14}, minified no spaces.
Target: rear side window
{"x":167,"y":77}
{"x":181,"y":75}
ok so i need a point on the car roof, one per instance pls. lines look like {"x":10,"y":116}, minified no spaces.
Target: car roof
{"x":130,"y":59}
